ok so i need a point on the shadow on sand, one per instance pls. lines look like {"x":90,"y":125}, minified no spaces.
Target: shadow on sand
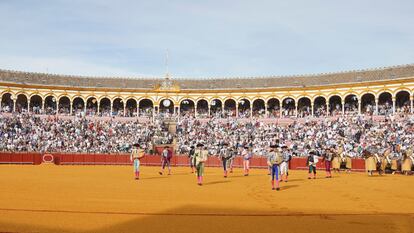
{"x":154,"y":177}
{"x":284,"y":187}
{"x":217,"y":182}
{"x":201,"y":219}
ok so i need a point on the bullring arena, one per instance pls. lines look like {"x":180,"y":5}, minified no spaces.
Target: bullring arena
{"x":66,"y":143}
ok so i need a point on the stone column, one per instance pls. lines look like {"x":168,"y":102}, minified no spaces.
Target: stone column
{"x":393,"y":104}
{"x":376,"y":106}
{"x":312,"y":111}
{"x":266,"y":110}
{"x":57,"y":106}
{"x":327,"y":109}
{"x":70,"y":107}
{"x":296,"y":109}
{"x":28,"y":106}
{"x":280,"y":110}
{"x":411,"y":103}
{"x":237,"y":109}
{"x":43,"y":106}
{"x":343,"y":107}
{"x":359,"y":106}
{"x":137,"y":109}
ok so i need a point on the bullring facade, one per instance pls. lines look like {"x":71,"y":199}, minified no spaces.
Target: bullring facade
{"x":377,"y":91}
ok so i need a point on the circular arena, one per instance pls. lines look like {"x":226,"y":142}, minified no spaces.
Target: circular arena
{"x":331,"y":151}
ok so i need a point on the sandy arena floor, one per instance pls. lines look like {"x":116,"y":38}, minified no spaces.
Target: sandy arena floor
{"x":49,"y":198}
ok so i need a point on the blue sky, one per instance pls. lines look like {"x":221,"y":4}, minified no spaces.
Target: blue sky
{"x":205,"y":38}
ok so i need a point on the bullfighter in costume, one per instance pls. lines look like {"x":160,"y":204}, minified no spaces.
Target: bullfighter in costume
{"x":136,"y":154}
{"x":200,"y":158}
{"x":284,"y":166}
{"x":311,"y":162}
{"x":274,"y":160}
{"x":166,"y":156}
{"x":247,"y":154}
{"x":225,"y":156}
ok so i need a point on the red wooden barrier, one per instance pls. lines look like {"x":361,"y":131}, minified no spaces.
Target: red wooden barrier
{"x":5,"y":157}
{"x":16,"y":158}
{"x":89,"y":158}
{"x":20,"y":158}
{"x":78,"y":159}
{"x":100,"y":159}
{"x":27,"y":158}
{"x":37,"y":159}
{"x":149,"y":160}
{"x":358,"y":164}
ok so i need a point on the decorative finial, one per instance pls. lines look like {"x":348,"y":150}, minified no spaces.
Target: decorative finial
{"x":167,"y":84}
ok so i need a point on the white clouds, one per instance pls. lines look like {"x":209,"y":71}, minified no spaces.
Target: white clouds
{"x":206,"y":38}
{"x":70,"y":66}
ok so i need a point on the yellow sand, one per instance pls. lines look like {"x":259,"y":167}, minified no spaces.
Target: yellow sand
{"x":49,"y":198}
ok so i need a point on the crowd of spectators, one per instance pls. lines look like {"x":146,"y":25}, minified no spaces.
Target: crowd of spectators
{"x":351,"y":133}
{"x":29,"y":132}
{"x":26,"y":132}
